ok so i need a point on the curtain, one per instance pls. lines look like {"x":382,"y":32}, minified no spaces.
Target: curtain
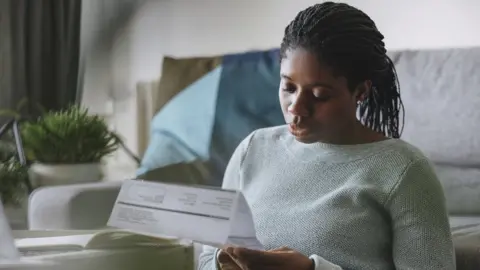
{"x":45,"y":38}
{"x":5,"y":54}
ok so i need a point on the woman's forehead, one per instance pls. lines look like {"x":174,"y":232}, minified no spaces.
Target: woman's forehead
{"x":303,"y":67}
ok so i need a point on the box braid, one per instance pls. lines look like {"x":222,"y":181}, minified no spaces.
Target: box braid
{"x":347,"y":39}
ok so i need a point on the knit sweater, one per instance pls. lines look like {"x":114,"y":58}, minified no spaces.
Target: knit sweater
{"x":368,"y":206}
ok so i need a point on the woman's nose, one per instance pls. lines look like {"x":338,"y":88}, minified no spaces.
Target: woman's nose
{"x":299,"y":106}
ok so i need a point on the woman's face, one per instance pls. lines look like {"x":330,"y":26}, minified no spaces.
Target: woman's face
{"x":317,"y":105}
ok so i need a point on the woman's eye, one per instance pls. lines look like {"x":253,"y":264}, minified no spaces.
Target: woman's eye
{"x":321,"y":96}
{"x":289,"y":90}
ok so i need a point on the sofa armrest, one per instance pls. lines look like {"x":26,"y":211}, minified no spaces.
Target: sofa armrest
{"x":72,"y":207}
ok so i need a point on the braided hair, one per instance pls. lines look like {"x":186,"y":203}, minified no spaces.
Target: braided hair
{"x":346,"y":39}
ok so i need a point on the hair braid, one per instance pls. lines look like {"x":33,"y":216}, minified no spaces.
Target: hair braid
{"x":347,"y":39}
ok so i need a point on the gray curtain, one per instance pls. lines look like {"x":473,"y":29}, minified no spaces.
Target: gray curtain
{"x":45,"y":41}
{"x":5,"y":55}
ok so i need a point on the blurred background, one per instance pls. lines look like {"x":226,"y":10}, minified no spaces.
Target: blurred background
{"x":134,"y":50}
{"x":93,"y":92}
{"x":98,"y":51}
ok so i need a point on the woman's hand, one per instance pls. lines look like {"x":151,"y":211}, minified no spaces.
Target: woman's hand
{"x":226,"y":262}
{"x":277,"y":259}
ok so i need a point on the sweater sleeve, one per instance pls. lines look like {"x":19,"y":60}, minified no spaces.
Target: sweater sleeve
{"x":231,"y":180}
{"x":322,"y":264}
{"x":420,"y":226}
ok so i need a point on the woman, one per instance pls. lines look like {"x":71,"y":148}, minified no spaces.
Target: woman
{"x":335,"y":188}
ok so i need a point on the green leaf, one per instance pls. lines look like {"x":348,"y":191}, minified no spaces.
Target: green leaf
{"x":69,"y":136}
{"x":13,"y":177}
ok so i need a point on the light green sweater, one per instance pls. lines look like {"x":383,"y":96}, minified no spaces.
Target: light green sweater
{"x":369,"y":206}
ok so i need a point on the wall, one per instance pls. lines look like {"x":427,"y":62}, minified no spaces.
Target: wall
{"x":184,"y":28}
{"x":187,"y":28}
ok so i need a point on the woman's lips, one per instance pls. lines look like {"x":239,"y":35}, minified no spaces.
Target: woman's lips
{"x":297,"y":130}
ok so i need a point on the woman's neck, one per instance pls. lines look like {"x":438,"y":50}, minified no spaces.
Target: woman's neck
{"x":357,"y":134}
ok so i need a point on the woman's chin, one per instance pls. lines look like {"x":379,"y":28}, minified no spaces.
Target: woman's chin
{"x":305,"y":139}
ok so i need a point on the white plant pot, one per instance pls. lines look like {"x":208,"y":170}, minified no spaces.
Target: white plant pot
{"x":64,"y":174}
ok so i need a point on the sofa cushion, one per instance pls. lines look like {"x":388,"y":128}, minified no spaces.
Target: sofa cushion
{"x":462,"y":188}
{"x":440,"y":90}
{"x":466,"y":238}
{"x":247,"y":100}
{"x":178,"y":73}
{"x":182,"y":130}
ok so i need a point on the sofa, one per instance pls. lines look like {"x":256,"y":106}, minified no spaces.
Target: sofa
{"x":239,"y":94}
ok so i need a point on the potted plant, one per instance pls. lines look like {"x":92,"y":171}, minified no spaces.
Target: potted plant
{"x":13,"y":177}
{"x":13,"y":191}
{"x":67,"y":147}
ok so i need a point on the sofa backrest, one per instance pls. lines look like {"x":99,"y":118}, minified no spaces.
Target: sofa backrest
{"x":440,"y":91}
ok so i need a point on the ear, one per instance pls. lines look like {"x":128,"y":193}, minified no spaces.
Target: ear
{"x":362,"y":91}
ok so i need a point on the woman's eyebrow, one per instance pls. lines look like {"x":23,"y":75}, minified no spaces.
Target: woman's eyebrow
{"x":315,"y":84}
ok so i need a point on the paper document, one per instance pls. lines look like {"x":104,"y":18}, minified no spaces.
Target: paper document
{"x":108,"y":239}
{"x":205,"y":215}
